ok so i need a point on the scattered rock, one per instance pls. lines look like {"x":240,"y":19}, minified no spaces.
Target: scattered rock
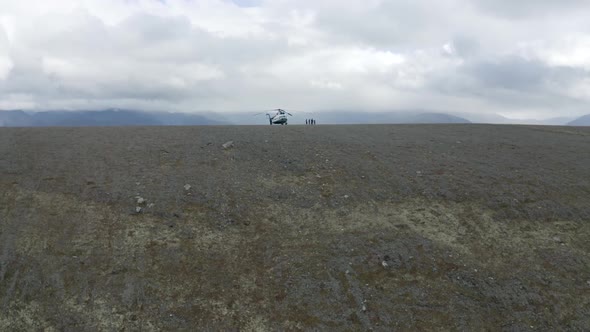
{"x":385,"y":265}
{"x":228,"y":145}
{"x":364,"y":308}
{"x":187,"y":187}
{"x":140,"y":200}
{"x":151,"y":205}
{"x":346,"y":196}
{"x":138,"y":209}
{"x":557,"y":239}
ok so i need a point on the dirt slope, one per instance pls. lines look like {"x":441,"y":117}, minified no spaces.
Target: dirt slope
{"x":442,"y":227}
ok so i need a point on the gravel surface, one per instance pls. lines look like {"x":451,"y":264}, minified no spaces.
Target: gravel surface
{"x":368,"y":227}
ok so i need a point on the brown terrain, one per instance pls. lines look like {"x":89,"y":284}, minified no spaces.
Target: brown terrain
{"x":345,"y":228}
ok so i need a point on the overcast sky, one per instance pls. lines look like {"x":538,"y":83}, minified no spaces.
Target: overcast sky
{"x":522,"y":59}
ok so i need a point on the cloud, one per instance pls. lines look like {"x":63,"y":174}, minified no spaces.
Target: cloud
{"x":527,"y":87}
{"x":530,"y":8}
{"x":510,"y":73}
{"x":526,"y":57}
{"x":5,"y":61}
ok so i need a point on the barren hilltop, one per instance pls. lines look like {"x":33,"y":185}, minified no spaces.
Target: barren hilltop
{"x":368,"y":227}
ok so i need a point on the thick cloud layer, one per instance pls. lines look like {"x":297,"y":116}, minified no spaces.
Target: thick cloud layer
{"x":518,"y":58}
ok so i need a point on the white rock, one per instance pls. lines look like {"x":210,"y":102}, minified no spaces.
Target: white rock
{"x":384,"y":263}
{"x":138,"y":209}
{"x":228,"y":145}
{"x":140,"y":200}
{"x":187,"y":187}
{"x":151,"y":205}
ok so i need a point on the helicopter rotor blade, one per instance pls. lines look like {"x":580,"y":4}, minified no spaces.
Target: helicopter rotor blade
{"x":265,"y":112}
{"x":298,"y":111}
{"x":286,"y":111}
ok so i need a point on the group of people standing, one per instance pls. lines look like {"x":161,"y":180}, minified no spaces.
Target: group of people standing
{"x":310,"y":121}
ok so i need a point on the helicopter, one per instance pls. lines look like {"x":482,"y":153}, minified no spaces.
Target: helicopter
{"x":278,"y":116}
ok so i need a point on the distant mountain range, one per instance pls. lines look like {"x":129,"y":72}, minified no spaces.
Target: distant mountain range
{"x":115,"y":117}
{"x":349,"y":117}
{"x":581,"y":121}
{"x":110,"y":117}
{"x":118,"y":117}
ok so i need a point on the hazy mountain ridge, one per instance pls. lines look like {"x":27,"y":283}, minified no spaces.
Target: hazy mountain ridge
{"x":119,"y":117}
{"x":581,"y":121}
{"x":116,"y":117}
{"x":390,"y":117}
{"x":437,"y":118}
{"x":109,"y":117}
{"x":354,"y":117}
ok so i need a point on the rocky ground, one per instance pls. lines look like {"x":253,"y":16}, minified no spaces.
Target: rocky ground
{"x":347,"y":228}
